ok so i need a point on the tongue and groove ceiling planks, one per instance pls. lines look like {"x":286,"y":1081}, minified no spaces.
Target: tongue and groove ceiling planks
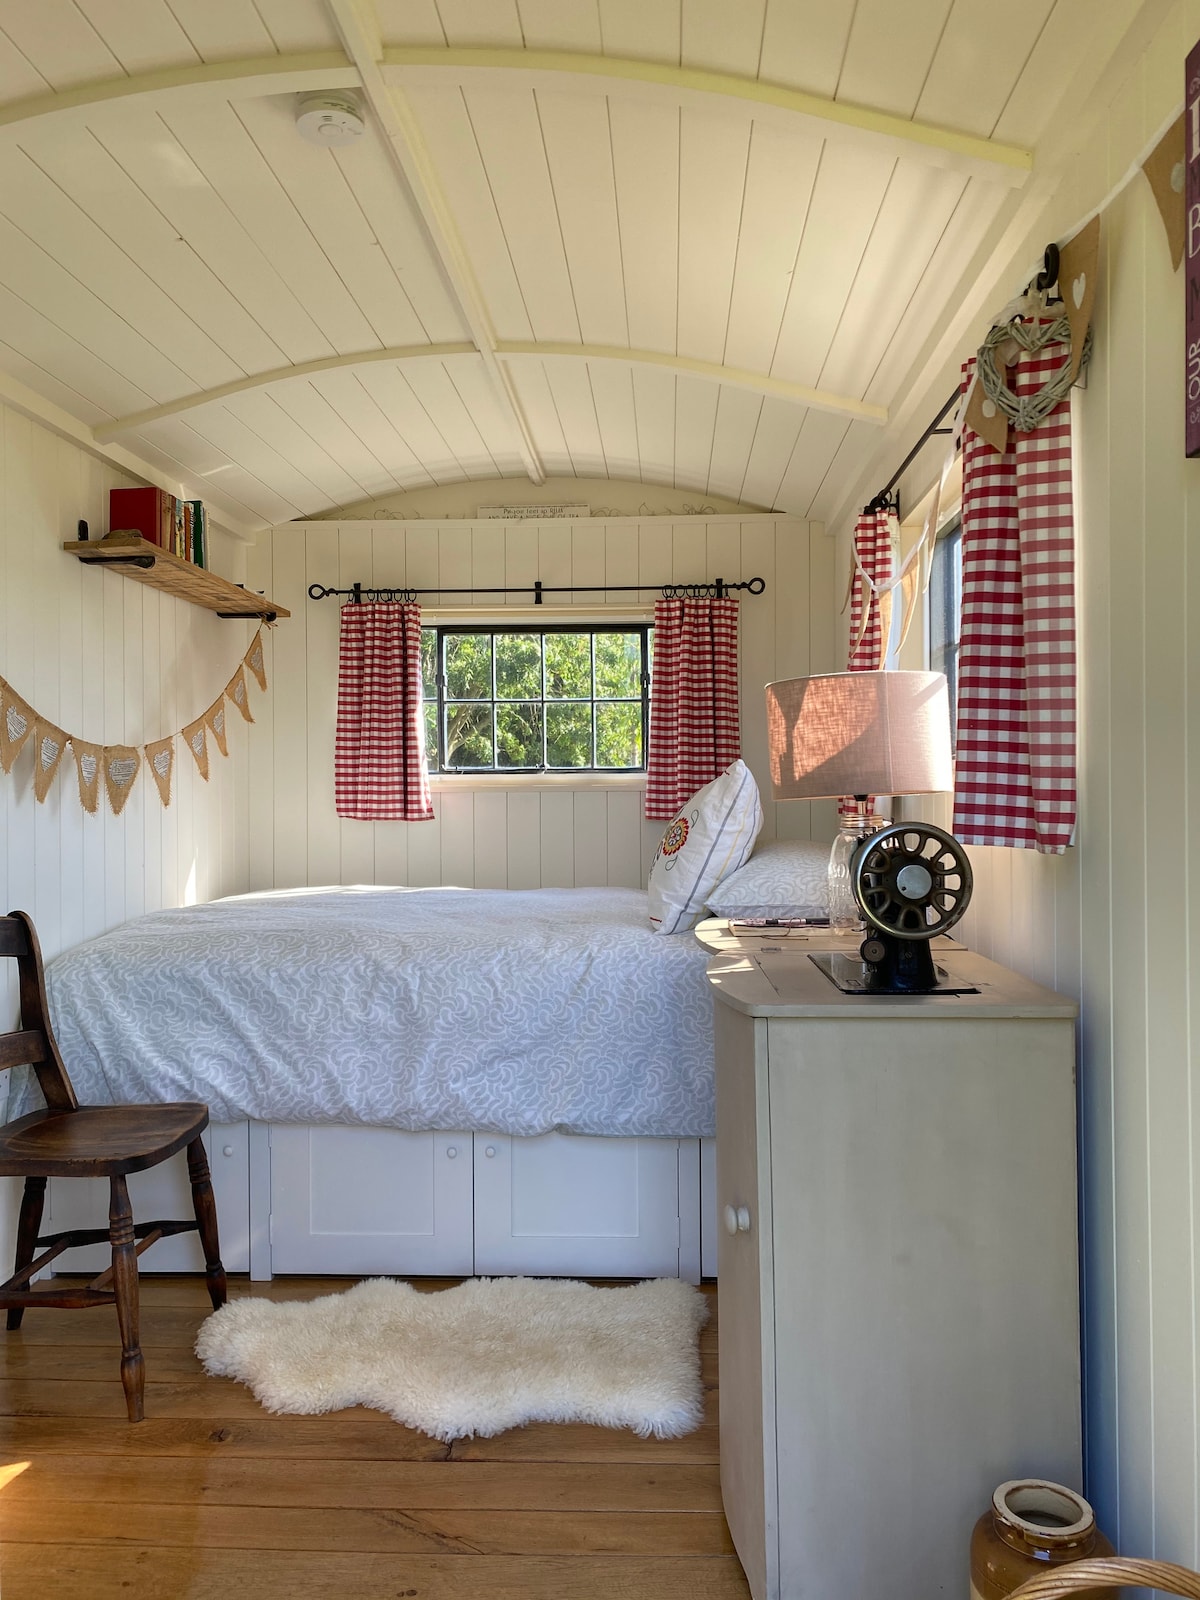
{"x":697,"y":243}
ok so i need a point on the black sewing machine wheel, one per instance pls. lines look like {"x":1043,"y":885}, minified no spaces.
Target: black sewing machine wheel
{"x":911,"y":879}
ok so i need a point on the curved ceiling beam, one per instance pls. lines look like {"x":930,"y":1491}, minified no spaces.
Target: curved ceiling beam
{"x":944,"y":147}
{"x":226,"y":80}
{"x":105,"y":431}
{"x":713,"y":372}
{"x":738,"y":377}
{"x":358,"y":29}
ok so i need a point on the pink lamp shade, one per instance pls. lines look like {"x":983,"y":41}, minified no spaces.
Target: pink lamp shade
{"x":859,"y":733}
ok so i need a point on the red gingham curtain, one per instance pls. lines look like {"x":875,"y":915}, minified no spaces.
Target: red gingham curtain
{"x":873,"y":541}
{"x":694,"y":723}
{"x":1015,"y":767}
{"x":379,"y":756}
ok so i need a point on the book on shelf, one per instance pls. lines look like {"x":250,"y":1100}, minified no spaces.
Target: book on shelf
{"x":179,"y":527}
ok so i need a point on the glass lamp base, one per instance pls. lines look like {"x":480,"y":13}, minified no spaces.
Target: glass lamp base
{"x":845,"y":914}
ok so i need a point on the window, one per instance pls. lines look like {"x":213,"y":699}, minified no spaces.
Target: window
{"x":945,"y":610}
{"x":516,"y":699}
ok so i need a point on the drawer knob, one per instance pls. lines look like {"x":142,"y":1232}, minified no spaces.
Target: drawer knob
{"x":451,"y":1152}
{"x":490,"y":1151}
{"x":226,"y":1149}
{"x":737,"y":1219}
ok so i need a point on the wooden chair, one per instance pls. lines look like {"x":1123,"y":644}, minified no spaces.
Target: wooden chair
{"x":68,"y":1140}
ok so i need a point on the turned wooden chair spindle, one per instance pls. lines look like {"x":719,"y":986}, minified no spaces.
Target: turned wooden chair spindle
{"x":68,"y":1140}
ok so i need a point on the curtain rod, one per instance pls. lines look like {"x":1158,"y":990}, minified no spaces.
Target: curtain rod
{"x":718,"y":589}
{"x":881,"y":500}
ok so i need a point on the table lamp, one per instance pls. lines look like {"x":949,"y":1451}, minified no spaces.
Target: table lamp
{"x":839,"y":734}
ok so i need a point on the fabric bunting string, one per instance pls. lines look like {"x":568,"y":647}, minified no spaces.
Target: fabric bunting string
{"x":115,"y":767}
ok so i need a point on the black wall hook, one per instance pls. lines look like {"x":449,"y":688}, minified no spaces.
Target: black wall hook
{"x":1048,"y":276}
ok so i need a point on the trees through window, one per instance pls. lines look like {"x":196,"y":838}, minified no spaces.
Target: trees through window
{"x":519,"y":699}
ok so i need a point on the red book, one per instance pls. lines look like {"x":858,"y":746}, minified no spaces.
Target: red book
{"x":149,"y":512}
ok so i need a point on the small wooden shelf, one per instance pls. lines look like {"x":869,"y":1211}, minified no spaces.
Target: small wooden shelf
{"x":134,"y":557}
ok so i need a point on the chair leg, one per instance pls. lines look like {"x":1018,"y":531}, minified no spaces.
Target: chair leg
{"x":206,"y":1219}
{"x":125,"y":1288}
{"x":30,"y":1221}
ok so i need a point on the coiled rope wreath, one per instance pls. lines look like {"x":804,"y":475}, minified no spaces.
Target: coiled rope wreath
{"x":1109,"y":1572}
{"x":1026,"y":411}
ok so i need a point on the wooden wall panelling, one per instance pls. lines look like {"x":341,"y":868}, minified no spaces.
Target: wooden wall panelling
{"x":260,"y":820}
{"x":490,"y":844}
{"x":1173,"y":681}
{"x":587,"y":565}
{"x":290,"y":691}
{"x":321,"y":545}
{"x":523,"y":821}
{"x":1124,"y":334}
{"x":114,"y":663}
{"x":500,"y":836}
{"x":1112,"y":920}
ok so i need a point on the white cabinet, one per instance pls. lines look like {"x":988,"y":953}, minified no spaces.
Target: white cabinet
{"x":899,"y":1299}
{"x":354,"y":1200}
{"x":163,"y":1193}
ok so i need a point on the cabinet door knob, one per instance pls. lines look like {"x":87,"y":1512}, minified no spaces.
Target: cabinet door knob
{"x":451,"y":1152}
{"x":490,"y":1151}
{"x":226,"y":1149}
{"x":737,"y":1219}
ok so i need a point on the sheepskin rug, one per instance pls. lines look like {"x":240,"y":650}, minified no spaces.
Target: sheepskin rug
{"x":489,"y":1354}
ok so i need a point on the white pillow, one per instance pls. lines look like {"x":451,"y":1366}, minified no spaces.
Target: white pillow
{"x":711,"y":837}
{"x":788,"y":878}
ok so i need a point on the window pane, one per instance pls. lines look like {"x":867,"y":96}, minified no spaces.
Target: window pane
{"x":568,"y":736}
{"x":619,"y":665}
{"x":431,"y":738}
{"x":619,"y":735}
{"x":519,"y":734}
{"x":569,"y":668}
{"x":519,"y":666}
{"x":429,"y":665}
{"x":469,"y":666}
{"x":469,"y":736}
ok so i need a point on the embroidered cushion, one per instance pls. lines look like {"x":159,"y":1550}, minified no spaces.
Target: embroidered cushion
{"x":787,"y":878}
{"x":711,"y":837}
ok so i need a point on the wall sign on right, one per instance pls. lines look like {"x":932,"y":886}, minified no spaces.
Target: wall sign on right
{"x":1192,"y":258}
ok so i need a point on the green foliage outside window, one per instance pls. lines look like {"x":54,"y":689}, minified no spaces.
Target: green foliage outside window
{"x":529,"y":701}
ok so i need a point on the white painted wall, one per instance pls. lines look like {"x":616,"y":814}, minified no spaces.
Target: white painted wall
{"x":523,"y":833}
{"x":1116,"y":920}
{"x":114,"y":662}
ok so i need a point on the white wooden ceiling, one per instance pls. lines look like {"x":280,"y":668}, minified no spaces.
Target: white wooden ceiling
{"x":533,"y":261}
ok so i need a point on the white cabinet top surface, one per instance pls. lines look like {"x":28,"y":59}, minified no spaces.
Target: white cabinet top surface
{"x":779,"y":980}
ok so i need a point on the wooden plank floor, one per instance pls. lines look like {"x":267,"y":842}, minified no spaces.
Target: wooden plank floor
{"x":211,"y":1493}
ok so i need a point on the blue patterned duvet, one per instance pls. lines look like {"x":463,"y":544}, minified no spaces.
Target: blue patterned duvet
{"x":515,"y":1011}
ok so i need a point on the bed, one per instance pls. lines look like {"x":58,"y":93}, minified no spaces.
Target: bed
{"x":439,"y":1080}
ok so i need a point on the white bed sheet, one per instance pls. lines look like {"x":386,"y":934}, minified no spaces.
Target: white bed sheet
{"x":517,"y":1011}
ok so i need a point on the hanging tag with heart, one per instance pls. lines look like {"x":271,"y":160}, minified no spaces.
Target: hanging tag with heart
{"x":160,"y":757}
{"x":1078,"y":264}
{"x":87,"y":771}
{"x":16,"y":725}
{"x":1166,"y":170}
{"x":120,"y":764}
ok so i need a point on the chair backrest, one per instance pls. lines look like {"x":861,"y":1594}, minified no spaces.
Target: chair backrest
{"x":33,"y":1044}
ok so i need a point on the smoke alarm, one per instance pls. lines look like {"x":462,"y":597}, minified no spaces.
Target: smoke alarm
{"x":329,"y":118}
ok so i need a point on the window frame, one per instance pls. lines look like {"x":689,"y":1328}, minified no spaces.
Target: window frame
{"x":591,"y":627}
{"x":947,"y":554}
